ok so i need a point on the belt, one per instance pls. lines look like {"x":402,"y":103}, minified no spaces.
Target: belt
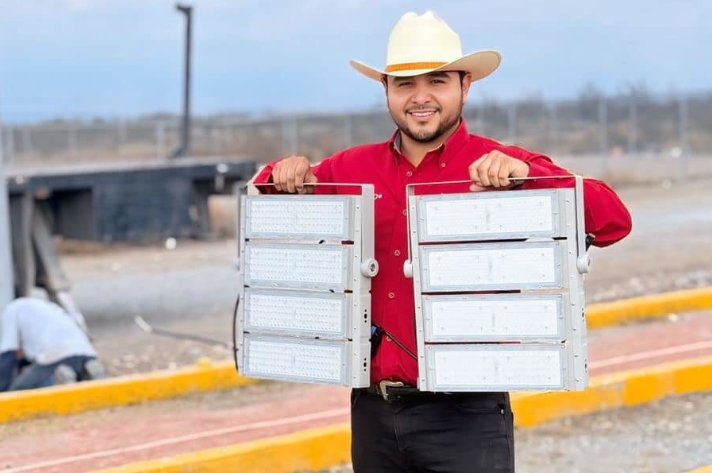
{"x":392,"y":391}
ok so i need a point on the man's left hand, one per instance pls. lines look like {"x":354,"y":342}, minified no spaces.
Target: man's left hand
{"x":496,"y":170}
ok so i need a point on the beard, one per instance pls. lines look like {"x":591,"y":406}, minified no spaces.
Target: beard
{"x":447,"y":122}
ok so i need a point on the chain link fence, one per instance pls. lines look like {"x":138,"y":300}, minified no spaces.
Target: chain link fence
{"x":676,"y":127}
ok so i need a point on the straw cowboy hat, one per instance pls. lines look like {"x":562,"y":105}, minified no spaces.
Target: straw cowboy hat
{"x":425,"y":43}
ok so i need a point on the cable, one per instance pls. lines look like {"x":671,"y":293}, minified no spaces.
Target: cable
{"x":234,"y":332}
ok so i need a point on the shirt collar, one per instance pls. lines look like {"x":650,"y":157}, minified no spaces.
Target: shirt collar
{"x":445,"y":151}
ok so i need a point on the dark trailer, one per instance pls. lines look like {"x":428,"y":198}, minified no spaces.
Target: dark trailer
{"x":109,"y":203}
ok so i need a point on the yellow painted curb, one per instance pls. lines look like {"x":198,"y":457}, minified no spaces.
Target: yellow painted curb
{"x":648,"y":307}
{"x":120,"y":391}
{"x":629,"y":388}
{"x":327,"y":447}
{"x":311,"y":450}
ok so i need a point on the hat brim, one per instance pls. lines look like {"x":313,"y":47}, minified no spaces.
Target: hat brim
{"x":479,"y":64}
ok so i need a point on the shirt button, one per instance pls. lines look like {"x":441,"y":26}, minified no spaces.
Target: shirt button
{"x":391,"y":295}
{"x":396,"y":253}
{"x":442,"y":165}
{"x":409,"y":173}
{"x":405,"y":212}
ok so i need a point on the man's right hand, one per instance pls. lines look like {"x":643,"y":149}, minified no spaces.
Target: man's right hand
{"x":290,"y":175}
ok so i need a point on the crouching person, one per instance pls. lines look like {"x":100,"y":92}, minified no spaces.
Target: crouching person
{"x":41,"y":345}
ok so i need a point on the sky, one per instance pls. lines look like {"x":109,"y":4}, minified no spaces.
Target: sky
{"x":123,"y":58}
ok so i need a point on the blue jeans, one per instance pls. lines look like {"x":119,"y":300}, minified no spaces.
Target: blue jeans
{"x":42,"y":376}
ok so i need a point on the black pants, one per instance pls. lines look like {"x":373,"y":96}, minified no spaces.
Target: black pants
{"x":453,"y":433}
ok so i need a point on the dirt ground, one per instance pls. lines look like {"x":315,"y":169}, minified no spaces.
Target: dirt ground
{"x":192,"y":288}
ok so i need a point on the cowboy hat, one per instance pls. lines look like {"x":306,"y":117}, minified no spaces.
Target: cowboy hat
{"x":422,"y":44}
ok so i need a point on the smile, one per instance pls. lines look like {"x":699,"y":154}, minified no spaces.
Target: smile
{"x":422,"y":114}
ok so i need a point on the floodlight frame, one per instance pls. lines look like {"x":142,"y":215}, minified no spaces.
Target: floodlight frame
{"x":576,"y":260}
{"x":360,"y":267}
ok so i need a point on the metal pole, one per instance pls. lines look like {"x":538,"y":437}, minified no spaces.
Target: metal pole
{"x":553,"y":110}
{"x":9,"y":145}
{"x":603,"y":126}
{"x":633,"y":123}
{"x":160,"y":140}
{"x":72,"y":140}
{"x":481,"y":117}
{"x":184,"y":149}
{"x":512,"y":123}
{"x":684,"y":143}
{"x":348,"y":131}
{"x":682,"y":111}
{"x":7,"y":284}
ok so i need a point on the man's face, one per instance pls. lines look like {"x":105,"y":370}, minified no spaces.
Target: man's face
{"x":426,"y":107}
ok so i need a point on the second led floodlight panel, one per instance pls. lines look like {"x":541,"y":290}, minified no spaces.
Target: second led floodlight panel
{"x":499,"y":289}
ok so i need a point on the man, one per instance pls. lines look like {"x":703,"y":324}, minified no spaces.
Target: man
{"x":427,"y":80}
{"x":41,"y":345}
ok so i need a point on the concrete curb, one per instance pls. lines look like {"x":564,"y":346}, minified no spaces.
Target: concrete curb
{"x":207,"y":376}
{"x":630,"y":388}
{"x":648,"y":307}
{"x":318,"y":449}
{"x":120,"y":391}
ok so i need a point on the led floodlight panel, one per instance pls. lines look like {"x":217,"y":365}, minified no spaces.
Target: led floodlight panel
{"x":492,"y":266}
{"x":494,"y":317}
{"x":306,"y":263}
{"x":490,"y":216}
{"x":490,"y":367}
{"x":308,"y":217}
{"x":298,"y":266}
{"x":301,"y":313}
{"x":291,"y":359}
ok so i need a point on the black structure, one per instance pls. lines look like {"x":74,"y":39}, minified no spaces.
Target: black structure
{"x":125,"y":203}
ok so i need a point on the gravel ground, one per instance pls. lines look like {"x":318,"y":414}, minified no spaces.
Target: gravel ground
{"x":669,"y":436}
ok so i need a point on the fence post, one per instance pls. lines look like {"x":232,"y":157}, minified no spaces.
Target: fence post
{"x":290,"y":135}
{"x":27,"y":142}
{"x":121,"y":136}
{"x":682,"y":111}
{"x":603,"y":126}
{"x":512,"y":123}
{"x":554,"y":120}
{"x":9,"y":145}
{"x":633,"y":123}
{"x":348,"y":131}
{"x":161,"y":141}
{"x":72,"y":140}
{"x":7,"y":285}
{"x":603,"y":132}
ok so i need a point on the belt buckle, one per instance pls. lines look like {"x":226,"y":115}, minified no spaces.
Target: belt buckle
{"x":387,"y":383}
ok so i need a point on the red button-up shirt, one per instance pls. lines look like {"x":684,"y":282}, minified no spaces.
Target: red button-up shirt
{"x":393,"y":305}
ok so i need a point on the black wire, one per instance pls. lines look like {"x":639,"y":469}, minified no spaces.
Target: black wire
{"x":234,"y":332}
{"x":399,"y":344}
